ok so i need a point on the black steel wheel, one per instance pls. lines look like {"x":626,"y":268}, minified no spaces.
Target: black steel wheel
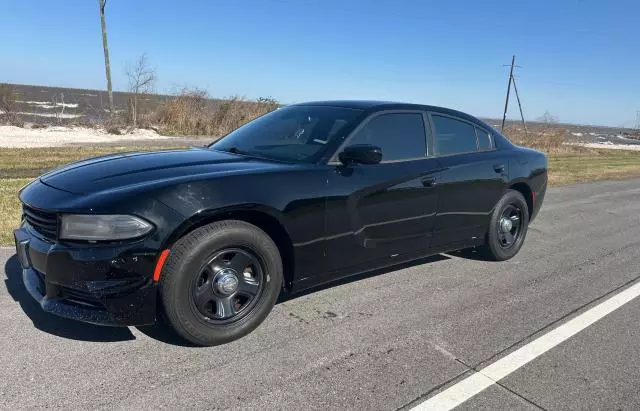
{"x":228,"y":285}
{"x":508,"y":227}
{"x":220,"y":282}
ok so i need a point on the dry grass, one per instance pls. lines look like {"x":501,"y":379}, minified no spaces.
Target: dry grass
{"x":10,"y":207}
{"x":21,"y":165}
{"x":571,"y":163}
{"x":41,"y":160}
{"x":191,"y":113}
{"x":547,"y":138}
{"x":593,"y":165}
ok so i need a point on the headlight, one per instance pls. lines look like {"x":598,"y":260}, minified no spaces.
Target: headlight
{"x":96,"y":227}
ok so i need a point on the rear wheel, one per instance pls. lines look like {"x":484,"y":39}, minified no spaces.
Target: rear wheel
{"x":220,"y":282}
{"x":507,"y":228}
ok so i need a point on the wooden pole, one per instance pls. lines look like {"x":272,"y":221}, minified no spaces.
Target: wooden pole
{"x":506,"y":101}
{"x":105,"y":47}
{"x":524,"y":124}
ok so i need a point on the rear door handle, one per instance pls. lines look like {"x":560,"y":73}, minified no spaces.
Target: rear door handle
{"x":498,"y":168}
{"x":429,"y":181}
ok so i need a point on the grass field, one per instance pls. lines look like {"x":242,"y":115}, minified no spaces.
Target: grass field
{"x":32,"y":162}
{"x":19,"y":166}
{"x":593,"y":165}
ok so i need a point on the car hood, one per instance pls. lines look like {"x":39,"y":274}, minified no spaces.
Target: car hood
{"x":119,"y":171}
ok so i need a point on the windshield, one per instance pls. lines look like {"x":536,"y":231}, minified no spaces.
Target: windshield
{"x":294,"y":133}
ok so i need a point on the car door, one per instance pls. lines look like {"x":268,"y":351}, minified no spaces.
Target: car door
{"x":473,"y":179}
{"x":384,"y":210}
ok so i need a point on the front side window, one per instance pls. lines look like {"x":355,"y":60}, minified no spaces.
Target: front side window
{"x":401,"y":136}
{"x":294,"y":133}
{"x":454,"y":136}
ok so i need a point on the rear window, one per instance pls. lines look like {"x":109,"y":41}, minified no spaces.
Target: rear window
{"x":454,"y":136}
{"x":484,"y":140}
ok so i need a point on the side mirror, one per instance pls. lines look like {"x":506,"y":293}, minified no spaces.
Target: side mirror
{"x":361,"y":154}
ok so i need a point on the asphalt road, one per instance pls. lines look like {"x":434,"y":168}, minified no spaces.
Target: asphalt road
{"x":387,"y":341}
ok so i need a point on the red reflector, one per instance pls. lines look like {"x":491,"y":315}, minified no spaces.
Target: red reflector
{"x":533,"y":197}
{"x":160,"y":264}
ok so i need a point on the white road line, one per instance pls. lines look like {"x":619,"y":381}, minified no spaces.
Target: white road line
{"x":483,"y":379}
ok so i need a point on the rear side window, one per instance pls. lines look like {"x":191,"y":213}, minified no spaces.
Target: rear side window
{"x":454,"y":136}
{"x":484,"y":140}
{"x":401,"y":136}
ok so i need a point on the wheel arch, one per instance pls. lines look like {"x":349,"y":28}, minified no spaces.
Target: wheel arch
{"x":524,"y":189}
{"x":261,"y":217}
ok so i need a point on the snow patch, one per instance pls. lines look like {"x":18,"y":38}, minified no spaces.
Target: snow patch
{"x":13,"y":137}
{"x":51,"y":115}
{"x":612,"y":146}
{"x":48,"y":104}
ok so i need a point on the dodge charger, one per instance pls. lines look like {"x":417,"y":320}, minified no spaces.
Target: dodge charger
{"x":207,"y":239}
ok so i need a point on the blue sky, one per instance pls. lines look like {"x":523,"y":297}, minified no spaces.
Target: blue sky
{"x":580,"y":58}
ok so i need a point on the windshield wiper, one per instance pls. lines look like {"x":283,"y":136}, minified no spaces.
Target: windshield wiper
{"x":236,"y":150}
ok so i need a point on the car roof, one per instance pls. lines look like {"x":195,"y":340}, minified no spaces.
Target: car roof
{"x":375,"y":105}
{"x":357,"y":104}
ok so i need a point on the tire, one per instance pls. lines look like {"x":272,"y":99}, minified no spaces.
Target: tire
{"x":497,"y":247}
{"x":201,"y":263}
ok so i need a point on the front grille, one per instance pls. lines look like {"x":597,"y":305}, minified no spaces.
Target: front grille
{"x":43,"y":222}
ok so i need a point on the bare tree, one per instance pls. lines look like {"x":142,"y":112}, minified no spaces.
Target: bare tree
{"x":547,"y":118}
{"x":142,"y":79}
{"x":105,"y":47}
{"x":549,"y":122}
{"x":7,"y":100}
{"x":58,"y":102}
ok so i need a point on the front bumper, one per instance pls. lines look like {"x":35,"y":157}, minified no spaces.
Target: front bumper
{"x":100,"y":284}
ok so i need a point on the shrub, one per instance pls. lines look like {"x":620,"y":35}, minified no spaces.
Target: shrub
{"x":192,"y":113}
{"x":185,"y":113}
{"x":8,"y":103}
{"x":550,"y":139}
{"x":114,"y":130}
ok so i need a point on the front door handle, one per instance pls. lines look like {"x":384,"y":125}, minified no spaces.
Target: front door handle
{"x":498,"y":168}
{"x":429,"y":181}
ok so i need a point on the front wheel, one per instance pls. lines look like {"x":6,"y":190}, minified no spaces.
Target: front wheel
{"x":220,"y":282}
{"x":507,"y":228}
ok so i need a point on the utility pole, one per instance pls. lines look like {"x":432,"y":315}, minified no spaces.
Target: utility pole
{"x":638,"y":120}
{"x":512,"y":79}
{"x":506,"y":101}
{"x":524,"y":123}
{"x":105,"y":47}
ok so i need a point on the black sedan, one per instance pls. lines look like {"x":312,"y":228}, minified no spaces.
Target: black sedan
{"x":208,"y":238}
